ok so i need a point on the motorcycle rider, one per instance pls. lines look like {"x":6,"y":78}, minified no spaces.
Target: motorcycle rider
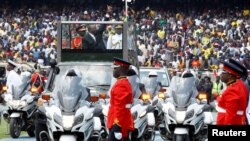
{"x":134,"y":81}
{"x":205,"y":86}
{"x":120,"y":121}
{"x":232,"y":103}
{"x":152,"y":85}
{"x":36,"y":79}
{"x":13,"y":78}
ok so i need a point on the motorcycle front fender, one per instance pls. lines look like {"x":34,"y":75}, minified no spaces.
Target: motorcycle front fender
{"x":15,"y":115}
{"x":151,"y":119}
{"x":97,"y":124}
{"x":67,"y":138}
{"x":181,"y":131}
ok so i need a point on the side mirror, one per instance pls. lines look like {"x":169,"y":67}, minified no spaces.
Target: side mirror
{"x":52,"y":63}
{"x":46,"y":97}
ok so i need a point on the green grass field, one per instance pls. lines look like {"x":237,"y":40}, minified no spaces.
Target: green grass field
{"x":3,"y":130}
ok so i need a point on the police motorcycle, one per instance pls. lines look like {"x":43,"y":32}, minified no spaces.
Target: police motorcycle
{"x":69,"y":115}
{"x":142,"y":112}
{"x":154,"y":88}
{"x":21,"y":106}
{"x":184,"y":114}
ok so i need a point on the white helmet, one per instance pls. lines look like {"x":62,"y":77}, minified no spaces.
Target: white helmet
{"x":152,"y":73}
{"x":188,"y":73}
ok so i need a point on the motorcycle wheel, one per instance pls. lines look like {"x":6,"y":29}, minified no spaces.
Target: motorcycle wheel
{"x":38,"y":129}
{"x":31,"y":132}
{"x":95,"y":139}
{"x":181,"y":138}
{"x":15,"y":127}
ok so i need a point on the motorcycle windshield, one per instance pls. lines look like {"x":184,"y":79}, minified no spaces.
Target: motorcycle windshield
{"x":20,"y":85}
{"x":70,"y":93}
{"x":182,"y":91}
{"x":134,"y":81}
{"x":151,"y":86}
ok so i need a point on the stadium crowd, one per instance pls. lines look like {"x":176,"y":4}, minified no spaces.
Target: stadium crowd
{"x":197,"y":37}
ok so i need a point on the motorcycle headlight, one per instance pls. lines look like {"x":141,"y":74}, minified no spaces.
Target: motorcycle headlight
{"x":146,"y":97}
{"x":143,"y":114}
{"x":161,"y":95}
{"x":171,"y":113}
{"x":189,"y":114}
{"x":78,"y":119}
{"x":67,"y":121}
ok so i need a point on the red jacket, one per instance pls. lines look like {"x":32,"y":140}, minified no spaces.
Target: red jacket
{"x":232,"y":104}
{"x":36,"y":80}
{"x":119,"y":111}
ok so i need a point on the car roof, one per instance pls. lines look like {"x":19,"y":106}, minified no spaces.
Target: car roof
{"x":152,"y":68}
{"x":84,"y":63}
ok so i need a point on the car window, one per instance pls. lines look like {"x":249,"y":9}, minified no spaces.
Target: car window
{"x":162,"y":77}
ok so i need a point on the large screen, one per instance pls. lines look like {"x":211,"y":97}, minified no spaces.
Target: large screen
{"x":91,"y":41}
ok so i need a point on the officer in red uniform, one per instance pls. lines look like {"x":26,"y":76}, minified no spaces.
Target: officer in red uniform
{"x":232,"y":103}
{"x":120,"y":120}
{"x":37,"y":80}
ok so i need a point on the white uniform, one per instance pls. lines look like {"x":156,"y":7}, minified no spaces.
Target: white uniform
{"x":13,"y":80}
{"x":114,"y":41}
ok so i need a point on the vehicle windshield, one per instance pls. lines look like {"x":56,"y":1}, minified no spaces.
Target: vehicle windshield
{"x":182,"y":91}
{"x":162,"y":77}
{"x":96,"y":77}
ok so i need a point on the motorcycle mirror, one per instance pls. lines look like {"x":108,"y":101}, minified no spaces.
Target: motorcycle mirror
{"x":102,"y":95}
{"x":46,"y":97}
